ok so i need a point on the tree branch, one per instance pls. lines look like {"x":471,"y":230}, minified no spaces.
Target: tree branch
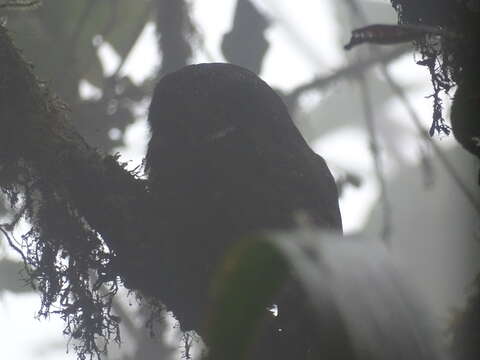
{"x":349,"y":71}
{"x":36,"y":129}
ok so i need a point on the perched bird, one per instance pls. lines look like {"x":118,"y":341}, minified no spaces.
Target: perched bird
{"x":226,"y":160}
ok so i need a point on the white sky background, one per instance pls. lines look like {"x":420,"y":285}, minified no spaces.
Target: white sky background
{"x":294,"y":58}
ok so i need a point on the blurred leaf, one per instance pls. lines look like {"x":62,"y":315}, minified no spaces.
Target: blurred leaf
{"x":380,"y":314}
{"x":58,"y":36}
{"x":80,"y":21}
{"x":365,"y":307}
{"x":245,"y":44}
{"x":137,"y":14}
{"x":120,"y":23}
{"x":251,"y":275}
{"x":59,"y":39}
{"x":55,"y":38}
{"x":11,"y":278}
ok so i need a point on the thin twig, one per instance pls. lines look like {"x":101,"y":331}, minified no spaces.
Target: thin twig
{"x":374,"y":148}
{"x":12,"y":244}
{"x":349,"y":71}
{"x":377,"y":160}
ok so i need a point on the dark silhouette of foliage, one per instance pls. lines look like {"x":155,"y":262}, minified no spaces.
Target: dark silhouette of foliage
{"x":245,"y":44}
{"x":452,"y":58}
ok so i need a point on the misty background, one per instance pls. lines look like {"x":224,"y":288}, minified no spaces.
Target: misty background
{"x":103,"y":59}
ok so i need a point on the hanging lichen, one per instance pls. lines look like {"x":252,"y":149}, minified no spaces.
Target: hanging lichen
{"x":452,"y":57}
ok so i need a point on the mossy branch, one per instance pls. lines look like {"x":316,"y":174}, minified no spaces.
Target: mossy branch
{"x":87,"y":212}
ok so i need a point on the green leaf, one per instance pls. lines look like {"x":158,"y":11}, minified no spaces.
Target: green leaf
{"x":252,"y":274}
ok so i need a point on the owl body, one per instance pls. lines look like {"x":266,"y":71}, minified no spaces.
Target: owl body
{"x":225,"y":160}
